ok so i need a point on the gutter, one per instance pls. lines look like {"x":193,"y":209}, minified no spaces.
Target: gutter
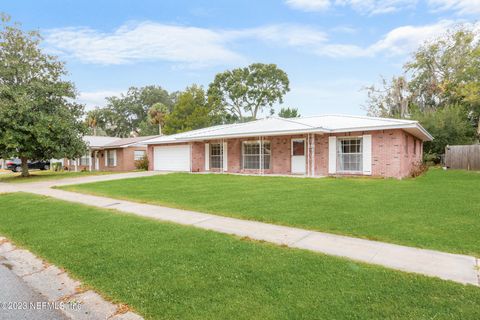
{"x":319,"y":130}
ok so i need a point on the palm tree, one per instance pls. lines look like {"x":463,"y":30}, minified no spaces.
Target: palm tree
{"x":94,"y":119}
{"x":157,"y":114}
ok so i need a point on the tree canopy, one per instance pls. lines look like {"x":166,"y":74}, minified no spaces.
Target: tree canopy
{"x":449,"y":125}
{"x":192,"y":111}
{"x":440,"y":88}
{"x":289,"y":113}
{"x":235,"y":95}
{"x":95,"y":120}
{"x":38,"y":116}
{"x":157,"y":114}
{"x":127,"y":114}
{"x":244,"y":92}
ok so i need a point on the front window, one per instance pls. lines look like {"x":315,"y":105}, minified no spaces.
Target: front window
{"x":349,"y":154}
{"x":216,"y":156}
{"x":85,"y":160}
{"x":138,"y":155}
{"x":298,"y":147}
{"x":252,"y":157}
{"x":111,"y":154}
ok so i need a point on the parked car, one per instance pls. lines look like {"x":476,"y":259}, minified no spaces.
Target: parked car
{"x":16,"y":165}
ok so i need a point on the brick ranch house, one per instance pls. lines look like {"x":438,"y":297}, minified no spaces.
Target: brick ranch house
{"x":109,"y":154}
{"x":310,"y":146}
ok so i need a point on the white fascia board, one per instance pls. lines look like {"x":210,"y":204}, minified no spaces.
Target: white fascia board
{"x":427,"y":136}
{"x":425,"y":132}
{"x":133,"y":144}
{"x":414,"y":125}
{"x":258,"y":134}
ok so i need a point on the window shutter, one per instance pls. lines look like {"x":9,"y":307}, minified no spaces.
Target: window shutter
{"x":105,"y":155}
{"x":114,"y":158}
{"x":207,"y":157}
{"x":332,"y":155}
{"x":367,"y":154}
{"x":225,"y":156}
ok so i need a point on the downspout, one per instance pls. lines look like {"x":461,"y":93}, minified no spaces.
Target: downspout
{"x":313,"y":154}
{"x":223,"y":154}
{"x":90,"y":159}
{"x":261,"y":155}
{"x":309,"y":149}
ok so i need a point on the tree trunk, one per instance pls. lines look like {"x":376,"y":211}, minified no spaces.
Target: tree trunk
{"x":159,"y":129}
{"x":25,"y":172}
{"x":94,"y":131}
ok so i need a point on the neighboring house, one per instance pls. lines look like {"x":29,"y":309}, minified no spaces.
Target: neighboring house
{"x":109,"y":154}
{"x":310,"y":146}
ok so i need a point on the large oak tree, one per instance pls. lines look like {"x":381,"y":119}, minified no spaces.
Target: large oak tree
{"x":244,"y":92}
{"x":38,"y":116}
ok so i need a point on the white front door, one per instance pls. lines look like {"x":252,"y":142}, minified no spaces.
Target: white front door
{"x":97,"y":163}
{"x":299,"y":160}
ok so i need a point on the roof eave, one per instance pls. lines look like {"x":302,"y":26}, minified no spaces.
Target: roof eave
{"x":413,"y":125}
{"x":237,"y":135}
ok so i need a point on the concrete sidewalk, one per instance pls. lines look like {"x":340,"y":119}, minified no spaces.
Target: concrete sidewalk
{"x":92,"y":178}
{"x":454,"y":267}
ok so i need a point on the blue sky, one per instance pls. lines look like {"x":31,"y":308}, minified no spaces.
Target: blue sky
{"x":329,"y":48}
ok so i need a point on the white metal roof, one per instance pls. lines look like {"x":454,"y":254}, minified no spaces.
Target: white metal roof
{"x":97,"y":141}
{"x":114,"y":142}
{"x":279,"y":126}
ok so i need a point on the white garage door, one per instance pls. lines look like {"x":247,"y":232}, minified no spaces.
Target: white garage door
{"x":171,"y":158}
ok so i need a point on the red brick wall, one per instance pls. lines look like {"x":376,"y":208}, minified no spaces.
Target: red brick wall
{"x":125,"y":160}
{"x":389,"y":157}
{"x":198,"y":156}
{"x":280,"y":154}
{"x":389,"y":153}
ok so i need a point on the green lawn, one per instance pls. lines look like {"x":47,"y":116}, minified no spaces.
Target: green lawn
{"x":36,"y":176}
{"x":167,"y":271}
{"x":440,"y":210}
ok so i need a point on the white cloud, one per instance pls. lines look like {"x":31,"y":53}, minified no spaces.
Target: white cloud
{"x":190,"y":46}
{"x":284,"y":34}
{"x":370,"y":7}
{"x":93,"y":99}
{"x":462,"y":7}
{"x":143,"y":41}
{"x":373,"y":7}
{"x":399,"y":41}
{"x":185,"y":46}
{"x":309,"y":5}
{"x":405,"y":39}
{"x":343,"y":51}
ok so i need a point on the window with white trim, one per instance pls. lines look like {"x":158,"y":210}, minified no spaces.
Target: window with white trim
{"x":138,"y":155}
{"x":111,"y":155}
{"x":85,"y":160}
{"x":216,"y":156}
{"x":251,"y":155}
{"x":349,"y":155}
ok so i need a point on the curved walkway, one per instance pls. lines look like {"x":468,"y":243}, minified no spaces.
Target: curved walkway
{"x":455,"y":267}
